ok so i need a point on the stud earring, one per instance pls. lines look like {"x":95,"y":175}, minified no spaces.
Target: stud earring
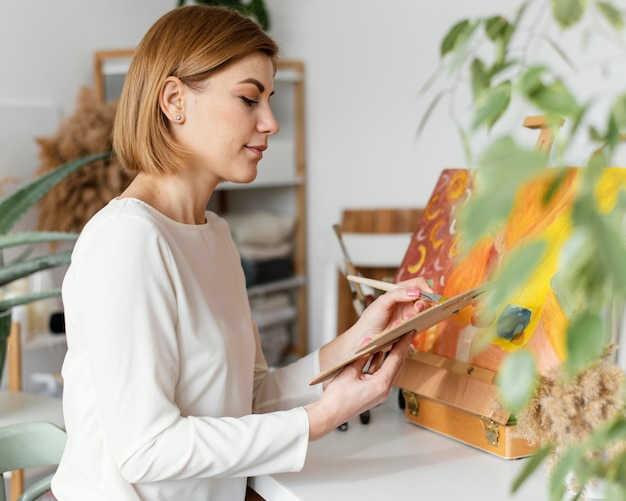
{"x":178,"y":118}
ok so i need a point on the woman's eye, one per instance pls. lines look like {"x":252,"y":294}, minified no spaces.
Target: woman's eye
{"x":248,"y":101}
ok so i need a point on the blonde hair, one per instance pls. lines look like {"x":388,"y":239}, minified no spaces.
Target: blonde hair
{"x":190,"y":43}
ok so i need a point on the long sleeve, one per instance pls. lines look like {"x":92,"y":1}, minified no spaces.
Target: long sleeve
{"x":286,"y":387}
{"x":160,"y":371}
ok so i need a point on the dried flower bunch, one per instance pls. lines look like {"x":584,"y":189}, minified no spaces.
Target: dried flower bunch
{"x":71,"y":204}
{"x":565,"y":411}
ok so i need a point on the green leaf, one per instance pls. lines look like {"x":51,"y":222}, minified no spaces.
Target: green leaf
{"x":517,"y":378}
{"x":454,"y":36}
{"x":611,"y":251}
{"x":482,"y":215}
{"x":555,"y":184}
{"x":498,"y":28}
{"x":609,"y":432}
{"x":612,"y":137}
{"x":592,"y":175}
{"x":595,"y":134}
{"x":465,"y":142}
{"x":568,"y":461}
{"x":23,"y":269}
{"x":618,"y":111}
{"x":499,"y":66}
{"x":502,"y":169}
{"x":614,"y":491}
{"x":463,"y":48}
{"x":568,"y":12}
{"x":531,"y":464}
{"x":530,"y":82}
{"x":5,"y":304}
{"x":17,"y":204}
{"x":586,"y":339}
{"x":612,"y":15}
{"x":576,"y":120}
{"x":578,"y":276}
{"x":592,"y":258}
{"x":555,"y":99}
{"x":480,"y":77}
{"x":514,"y":272}
{"x":35,"y":237}
{"x":492,"y":104}
{"x":504,"y":164}
{"x":616,"y":472}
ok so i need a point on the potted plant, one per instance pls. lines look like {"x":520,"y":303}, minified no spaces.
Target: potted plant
{"x":12,"y":207}
{"x":254,"y":8}
{"x":498,"y":56}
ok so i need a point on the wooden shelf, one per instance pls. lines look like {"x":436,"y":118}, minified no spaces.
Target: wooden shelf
{"x":44,"y":340}
{"x":276,"y":316}
{"x":276,"y":286}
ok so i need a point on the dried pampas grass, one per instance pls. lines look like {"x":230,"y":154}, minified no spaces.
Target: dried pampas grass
{"x":69,"y":205}
{"x":565,"y":411}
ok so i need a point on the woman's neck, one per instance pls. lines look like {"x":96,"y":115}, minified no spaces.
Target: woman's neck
{"x":171,"y":195}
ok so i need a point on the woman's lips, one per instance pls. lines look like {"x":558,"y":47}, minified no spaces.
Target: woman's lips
{"x":257,"y":150}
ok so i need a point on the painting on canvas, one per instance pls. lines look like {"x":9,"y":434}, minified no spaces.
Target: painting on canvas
{"x":533,"y":317}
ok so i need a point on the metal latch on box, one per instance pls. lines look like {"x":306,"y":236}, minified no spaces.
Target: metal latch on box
{"x":491,"y":428}
{"x":492,"y":434}
{"x":412,"y":403}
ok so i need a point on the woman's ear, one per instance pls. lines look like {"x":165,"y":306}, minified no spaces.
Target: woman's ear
{"x":171,"y":99}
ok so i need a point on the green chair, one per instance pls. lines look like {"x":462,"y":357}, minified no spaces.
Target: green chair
{"x":27,"y":445}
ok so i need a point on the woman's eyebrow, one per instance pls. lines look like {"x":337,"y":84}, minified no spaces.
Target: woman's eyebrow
{"x":254,"y":81}
{"x":258,"y":84}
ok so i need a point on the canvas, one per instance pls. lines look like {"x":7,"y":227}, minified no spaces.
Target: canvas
{"x":533,"y":317}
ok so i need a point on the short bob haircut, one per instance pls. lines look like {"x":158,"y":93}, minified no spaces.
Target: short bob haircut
{"x":190,"y":43}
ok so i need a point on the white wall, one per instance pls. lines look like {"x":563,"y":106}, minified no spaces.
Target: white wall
{"x":365,"y":62}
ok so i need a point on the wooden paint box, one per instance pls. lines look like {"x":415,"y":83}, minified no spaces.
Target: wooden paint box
{"x":460,"y":401}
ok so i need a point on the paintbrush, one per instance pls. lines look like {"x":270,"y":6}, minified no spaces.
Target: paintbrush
{"x":358,"y":298}
{"x":387,"y":286}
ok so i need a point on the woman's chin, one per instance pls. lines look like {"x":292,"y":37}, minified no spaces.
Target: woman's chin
{"x":241,"y":178}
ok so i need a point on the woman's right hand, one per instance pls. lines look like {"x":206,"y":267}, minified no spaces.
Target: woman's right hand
{"x":353,"y":391}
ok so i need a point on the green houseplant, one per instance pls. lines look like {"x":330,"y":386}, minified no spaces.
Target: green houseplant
{"x":496,"y":61}
{"x":12,"y":208}
{"x":253,"y":8}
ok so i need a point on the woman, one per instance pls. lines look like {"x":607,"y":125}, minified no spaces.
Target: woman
{"x":166,"y":391}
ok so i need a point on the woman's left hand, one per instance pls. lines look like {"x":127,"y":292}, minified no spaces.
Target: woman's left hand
{"x":383,"y":313}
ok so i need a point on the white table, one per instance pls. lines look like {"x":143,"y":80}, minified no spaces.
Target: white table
{"x":22,"y":407}
{"x":390,"y":459}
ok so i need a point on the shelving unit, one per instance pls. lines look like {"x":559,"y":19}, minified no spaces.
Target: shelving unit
{"x":280,"y":186}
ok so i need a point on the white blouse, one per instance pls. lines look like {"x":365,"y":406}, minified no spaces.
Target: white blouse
{"x":167,"y":395}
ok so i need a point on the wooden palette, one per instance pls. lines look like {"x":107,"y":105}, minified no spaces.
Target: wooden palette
{"x":421,"y":322}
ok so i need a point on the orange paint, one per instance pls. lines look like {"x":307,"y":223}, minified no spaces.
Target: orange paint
{"x":434,"y":254}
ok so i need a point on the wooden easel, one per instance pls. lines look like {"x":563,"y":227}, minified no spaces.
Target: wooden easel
{"x":546,"y":138}
{"x":382,"y":221}
{"x":458,"y":399}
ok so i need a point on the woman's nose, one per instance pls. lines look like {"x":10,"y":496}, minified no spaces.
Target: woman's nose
{"x":268,"y":123}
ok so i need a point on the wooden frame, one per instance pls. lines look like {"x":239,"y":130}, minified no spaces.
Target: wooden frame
{"x":100,"y":58}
